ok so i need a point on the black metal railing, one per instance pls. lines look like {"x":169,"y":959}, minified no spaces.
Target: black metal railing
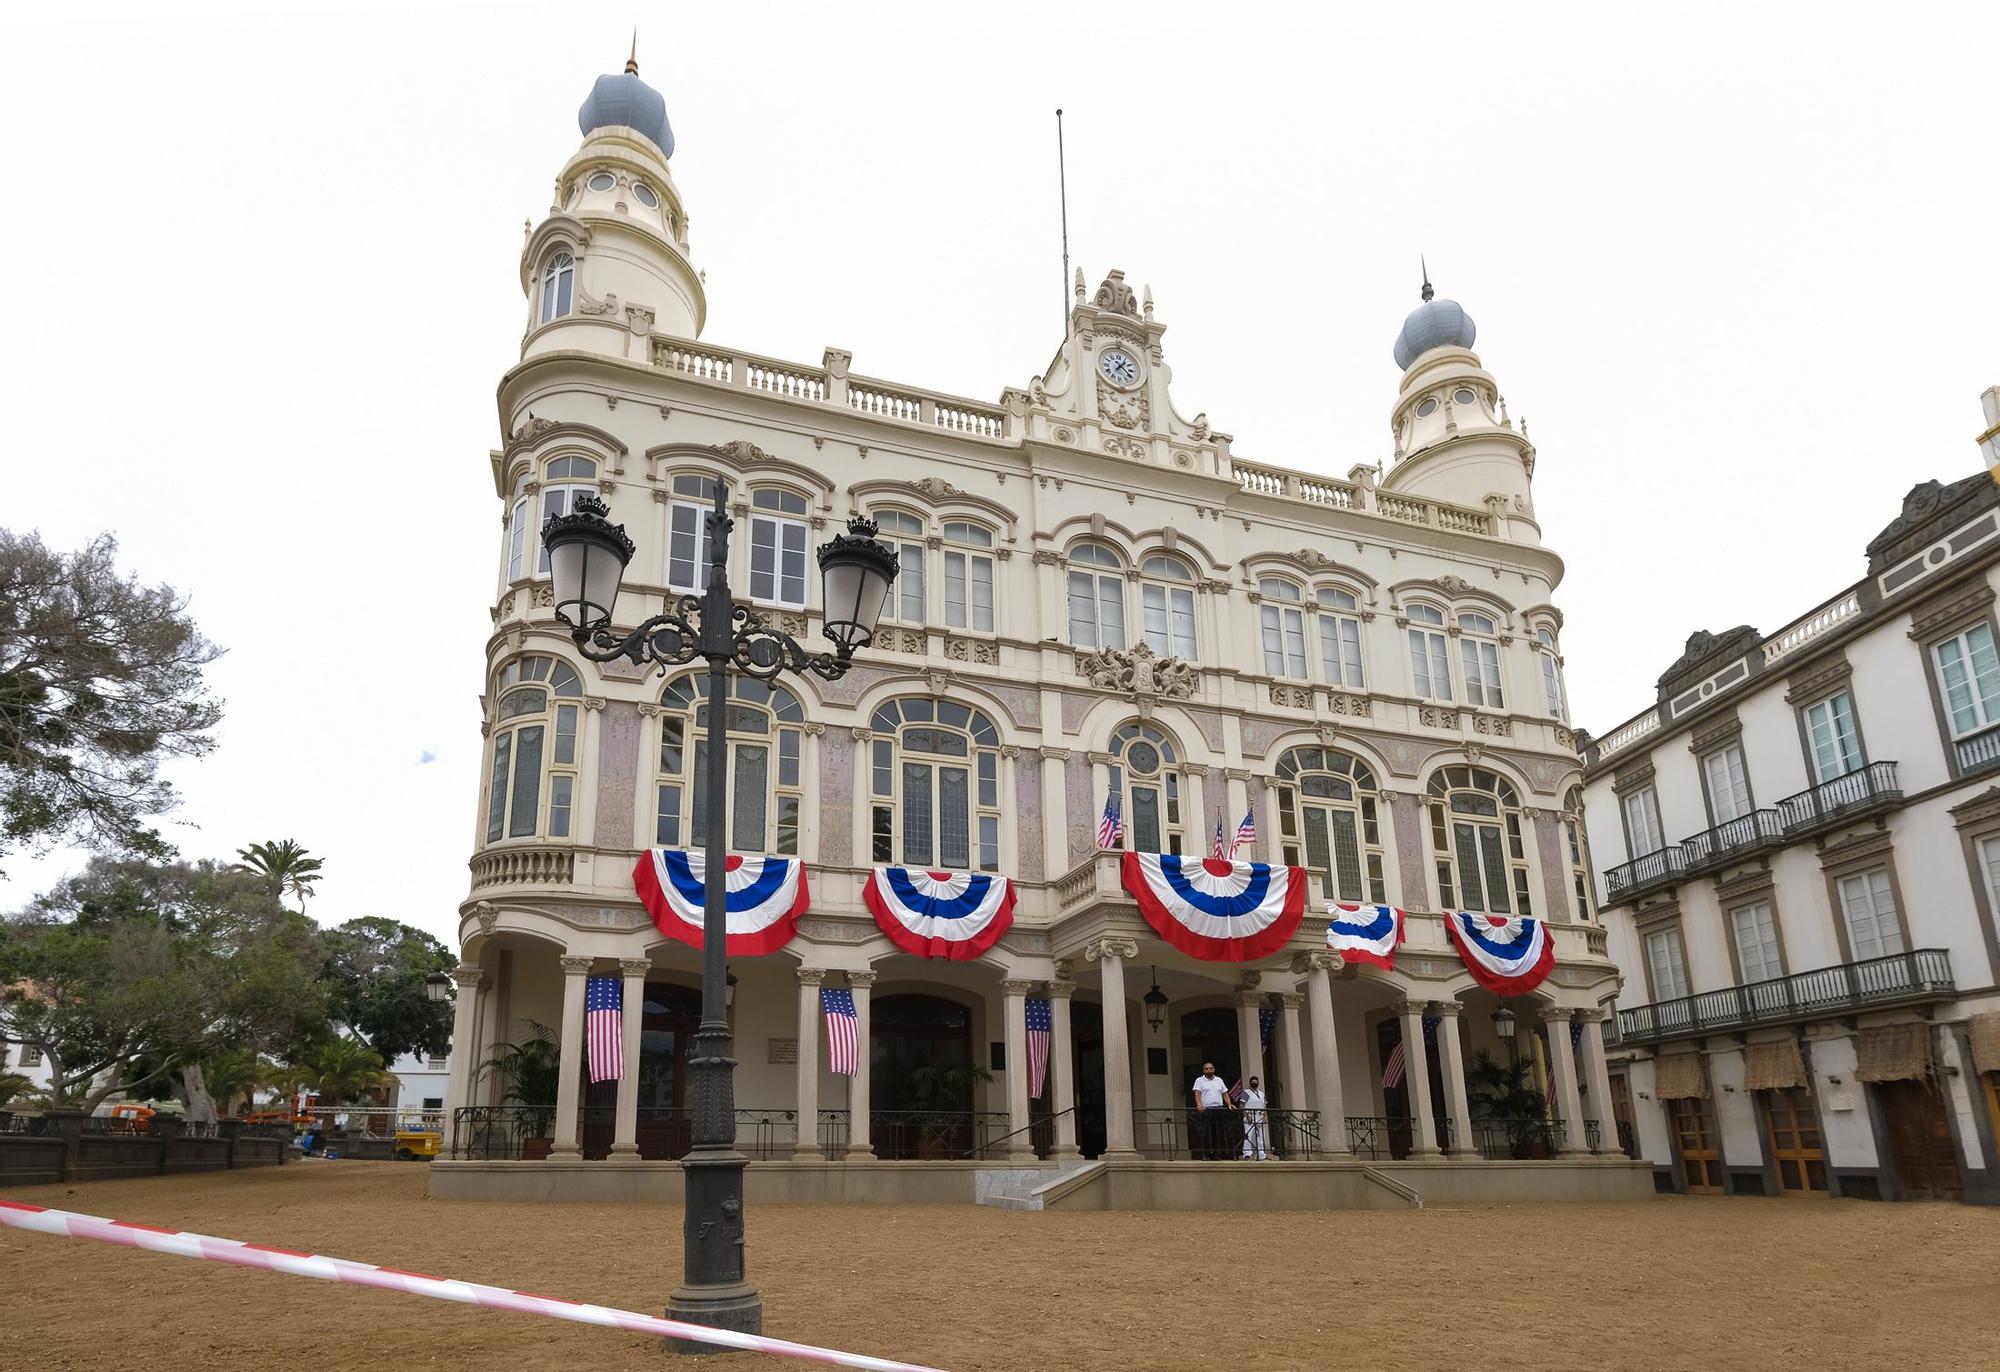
{"x":1375,"y":1137}
{"x":1039,"y":1136}
{"x":1740,"y":837}
{"x":1979,"y":751}
{"x":1918,"y":975}
{"x":1218,"y":1135}
{"x":1518,"y":1138}
{"x":1593,"y":1136}
{"x":498,"y":1132}
{"x":833,"y":1127}
{"x":1643,"y":874}
{"x":934,"y":1134}
{"x":1862,"y":791}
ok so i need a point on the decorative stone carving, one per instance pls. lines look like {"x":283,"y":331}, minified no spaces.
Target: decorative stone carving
{"x":1140,"y":671}
{"x":1436,"y":718}
{"x":488,"y":917}
{"x":1060,"y":990}
{"x":861,"y":981}
{"x":1124,"y":409}
{"x":575,"y":966}
{"x":980,"y":651}
{"x":1494,"y":726}
{"x":891,"y":638}
{"x":1111,"y":947}
{"x":586,"y":303}
{"x":1565,"y":739}
{"x":1355,"y":707}
{"x":1044,"y":557}
{"x":1313,"y":558}
{"x":1053,"y":754}
{"x":1114,"y":295}
{"x":1452,"y":585}
{"x":813,"y":728}
{"x":544,"y":596}
{"x":468,"y":975}
{"x":1293,"y":697}
{"x":933,"y":486}
{"x":1124,"y":447}
{"x":810,"y":976}
{"x":1323,"y":958}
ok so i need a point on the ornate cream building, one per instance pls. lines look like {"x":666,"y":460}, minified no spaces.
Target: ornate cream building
{"x":1098,"y":595}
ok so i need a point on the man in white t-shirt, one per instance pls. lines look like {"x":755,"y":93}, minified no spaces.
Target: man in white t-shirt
{"x":1211,"y":1099}
{"x":1256,"y":1134}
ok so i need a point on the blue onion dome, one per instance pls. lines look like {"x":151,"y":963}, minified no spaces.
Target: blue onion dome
{"x":623,"y":100}
{"x":1433,"y":324}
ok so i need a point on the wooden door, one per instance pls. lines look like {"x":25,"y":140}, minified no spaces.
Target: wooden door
{"x":1796,"y":1146}
{"x":1700,"y":1148}
{"x":1621,"y":1111}
{"x":1920,"y":1140}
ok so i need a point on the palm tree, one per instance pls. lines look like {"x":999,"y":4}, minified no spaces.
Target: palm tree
{"x":12,"y":1085}
{"x":285,"y":864}
{"x":233,"y":1075}
{"x":343,"y":1069}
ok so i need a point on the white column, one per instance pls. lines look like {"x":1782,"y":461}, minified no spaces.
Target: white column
{"x":807,"y":1147}
{"x":859,"y":1148}
{"x":1417,"y":1076}
{"x":1291,"y":1054}
{"x":1332,"y":1106}
{"x":464,"y":1045}
{"x":1021,"y":1146}
{"x":1457,"y":1105}
{"x":1249,"y":1037}
{"x":1597,"y":1072}
{"x":632,"y":1019}
{"x":1110,"y":955}
{"x":1062,"y":1071}
{"x":1562,"y":1065}
{"x":569,"y":1070}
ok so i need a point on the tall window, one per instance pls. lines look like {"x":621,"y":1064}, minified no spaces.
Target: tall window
{"x":1643,"y":831}
{"x":1167,"y":597}
{"x":1144,"y":771}
{"x":1284,"y":620}
{"x":934,"y":786}
{"x":1552,"y":686}
{"x":1482,"y":865}
{"x":1579,"y":851}
{"x":1479,"y":648}
{"x":764,"y":728}
{"x":1430,"y":665}
{"x":1970,"y":675}
{"x":1096,"y":597}
{"x":1728,"y":785}
{"x":558,"y":283}
{"x":904,"y":533}
{"x":692,"y":498}
{"x":778,"y":547}
{"x":1868,"y":904}
{"x":1339,"y":638}
{"x":518,"y":532}
{"x":1836,"y":746}
{"x":1327,"y":809}
{"x":566,"y":480}
{"x":1756,"y":931}
{"x":533,"y":744}
{"x":968,"y":576}
{"x":1668,"y":962}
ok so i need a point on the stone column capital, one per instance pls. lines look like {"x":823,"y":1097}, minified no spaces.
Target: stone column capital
{"x":1250,"y":1000}
{"x":861,"y":981}
{"x":1450,"y":1009}
{"x":1105,"y":759}
{"x":1556,"y":1014}
{"x":1413,"y":1007}
{"x":1318,"y":960}
{"x":1015,"y":987}
{"x":1053,"y":754}
{"x":635,"y":967}
{"x":1061,"y":990}
{"x":1597,"y":1016}
{"x":1291,"y":1000}
{"x":810,"y":976}
{"x":1100,"y":949}
{"x":468,"y":975}
{"x":575,"y":966}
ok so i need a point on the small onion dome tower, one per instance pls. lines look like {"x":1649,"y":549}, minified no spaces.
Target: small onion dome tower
{"x":608,"y":269}
{"x":1453,"y":439}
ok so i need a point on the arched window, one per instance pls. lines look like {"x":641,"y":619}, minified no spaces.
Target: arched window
{"x":1430,"y":665}
{"x":1096,"y":597}
{"x":765,"y":728}
{"x":905,"y":533}
{"x":1479,"y":649}
{"x":1145,"y":771}
{"x":568,"y":480}
{"x":968,"y":576}
{"x":558,"y":282}
{"x":533,"y":741}
{"x":934,"y":786}
{"x":1166,"y":598}
{"x":1340,"y":638}
{"x":1476,"y":842}
{"x":1284,"y":619}
{"x":1579,"y":850}
{"x":1327,"y":806}
{"x":687,"y":531}
{"x":1552,"y":685}
{"x":778,"y":547}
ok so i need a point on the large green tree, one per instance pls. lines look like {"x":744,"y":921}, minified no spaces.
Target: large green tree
{"x":100,"y":679}
{"x":376,"y":969}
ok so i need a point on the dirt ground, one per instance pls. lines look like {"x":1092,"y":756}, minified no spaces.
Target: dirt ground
{"x":1673,"y":1283}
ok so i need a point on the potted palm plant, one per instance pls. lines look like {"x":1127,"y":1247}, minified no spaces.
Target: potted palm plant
{"x":1502,"y":1098}
{"x":939,"y":1094}
{"x":528,"y":1072}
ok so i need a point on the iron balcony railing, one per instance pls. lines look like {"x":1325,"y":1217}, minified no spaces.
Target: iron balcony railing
{"x":1980,"y":751}
{"x":1380,"y":1136}
{"x":1737,"y":838}
{"x":1518,"y":1138}
{"x":1862,"y":791}
{"x":1640,"y":875}
{"x":1217,"y":1135}
{"x":1919,"y":975}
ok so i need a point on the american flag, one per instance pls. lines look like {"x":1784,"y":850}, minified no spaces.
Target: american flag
{"x":842,"y":1048}
{"x":1267,"y":1023}
{"x":1221,"y":837}
{"x":1111,"y":828}
{"x":604,"y":1025}
{"x":1246,"y":832}
{"x":1392,"y":1068}
{"x":1040,"y":1026}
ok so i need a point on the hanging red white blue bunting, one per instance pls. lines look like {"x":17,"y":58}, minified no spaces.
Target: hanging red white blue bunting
{"x":1214,"y":908}
{"x":765,"y":897}
{"x":956,"y":915}
{"x":1507,"y":954}
{"x":1365,"y":933}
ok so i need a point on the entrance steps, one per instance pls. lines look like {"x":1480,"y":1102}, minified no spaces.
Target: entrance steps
{"x":1025,"y":1188}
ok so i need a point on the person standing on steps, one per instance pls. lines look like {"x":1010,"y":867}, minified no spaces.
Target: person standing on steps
{"x":1256,"y":1130}
{"x":1211,"y":1101}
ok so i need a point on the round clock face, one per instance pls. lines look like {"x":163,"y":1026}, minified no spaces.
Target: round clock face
{"x":1118,"y":367}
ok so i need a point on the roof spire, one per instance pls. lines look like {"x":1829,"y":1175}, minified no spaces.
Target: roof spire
{"x":1428,"y":292}
{"x":632,"y":62}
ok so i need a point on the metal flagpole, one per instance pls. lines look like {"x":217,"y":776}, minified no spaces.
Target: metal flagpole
{"x":1062,"y":182}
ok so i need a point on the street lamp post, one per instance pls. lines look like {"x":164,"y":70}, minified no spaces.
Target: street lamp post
{"x":587,"y":559}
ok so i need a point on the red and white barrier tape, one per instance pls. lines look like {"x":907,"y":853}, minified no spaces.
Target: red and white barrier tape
{"x":181,"y":1244}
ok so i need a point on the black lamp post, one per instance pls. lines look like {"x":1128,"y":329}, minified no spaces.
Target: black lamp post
{"x":587,"y":558}
{"x":1503,"y":1025}
{"x":437,"y":988}
{"x":1155,"y":1002}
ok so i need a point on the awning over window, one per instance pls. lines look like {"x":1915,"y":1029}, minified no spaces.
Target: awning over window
{"x":1774,"y":1066}
{"x":1985,"y":1041}
{"x":1679,"y":1076}
{"x":1893,"y":1052}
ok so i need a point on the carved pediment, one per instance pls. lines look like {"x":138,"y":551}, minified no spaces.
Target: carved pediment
{"x":1707,"y":651}
{"x":1140,"y":671}
{"x":1116,"y":296}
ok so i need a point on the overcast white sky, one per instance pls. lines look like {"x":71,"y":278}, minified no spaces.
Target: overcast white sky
{"x":1733,"y":263}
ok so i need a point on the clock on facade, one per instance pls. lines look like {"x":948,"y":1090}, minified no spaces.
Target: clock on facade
{"x":1118,"y":366}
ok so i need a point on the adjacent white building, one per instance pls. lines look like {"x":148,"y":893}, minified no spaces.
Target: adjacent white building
{"x":1799,"y":846}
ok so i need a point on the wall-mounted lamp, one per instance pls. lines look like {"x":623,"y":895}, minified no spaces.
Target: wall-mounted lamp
{"x":1644,"y":1096}
{"x":1730,"y":1089}
{"x":1833,"y":1081}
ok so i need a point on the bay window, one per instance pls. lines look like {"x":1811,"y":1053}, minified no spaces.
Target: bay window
{"x":1476,"y":843}
{"x":532,"y":750}
{"x":934,"y":786}
{"x":765,"y":727}
{"x":1328,"y":821}
{"x":1145,"y":772}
